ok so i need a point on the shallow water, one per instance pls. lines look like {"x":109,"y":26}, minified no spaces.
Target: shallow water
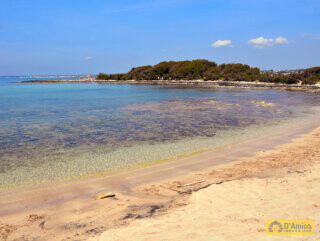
{"x":54,"y":131}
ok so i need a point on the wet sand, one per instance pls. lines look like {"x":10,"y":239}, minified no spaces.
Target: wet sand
{"x":149,"y":198}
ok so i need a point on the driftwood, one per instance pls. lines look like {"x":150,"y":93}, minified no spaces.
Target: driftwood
{"x":105,"y":195}
{"x":178,"y":191}
{"x":197,"y":189}
{"x":192,"y":183}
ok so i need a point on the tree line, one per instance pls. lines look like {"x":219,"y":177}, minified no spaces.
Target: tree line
{"x":201,"y":69}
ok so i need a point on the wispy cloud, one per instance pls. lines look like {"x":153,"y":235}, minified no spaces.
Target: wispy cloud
{"x":311,"y":35}
{"x":262,"y":42}
{"x":221,"y":43}
{"x":88,"y":58}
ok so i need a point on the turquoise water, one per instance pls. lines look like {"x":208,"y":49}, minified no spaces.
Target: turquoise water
{"x":54,"y":131}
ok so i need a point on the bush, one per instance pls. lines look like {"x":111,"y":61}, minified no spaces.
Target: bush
{"x":208,"y":70}
{"x":102,"y":76}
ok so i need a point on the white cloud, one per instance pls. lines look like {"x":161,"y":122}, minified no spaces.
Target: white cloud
{"x":262,"y":42}
{"x":281,"y":40}
{"x":87,"y":57}
{"x":221,"y":43}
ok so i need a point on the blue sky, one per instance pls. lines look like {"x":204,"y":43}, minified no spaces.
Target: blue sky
{"x":70,"y":37}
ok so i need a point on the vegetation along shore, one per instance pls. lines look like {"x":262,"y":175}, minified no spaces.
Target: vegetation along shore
{"x":199,"y":72}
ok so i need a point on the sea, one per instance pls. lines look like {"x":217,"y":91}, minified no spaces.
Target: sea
{"x":57,"y":131}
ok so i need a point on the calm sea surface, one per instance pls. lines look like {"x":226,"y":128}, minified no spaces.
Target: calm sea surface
{"x":50,"y":132}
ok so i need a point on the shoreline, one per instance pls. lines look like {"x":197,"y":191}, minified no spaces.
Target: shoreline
{"x":237,"y":198}
{"x":222,"y":140}
{"x":138,"y":191}
{"x":246,"y":145}
{"x":217,"y":83}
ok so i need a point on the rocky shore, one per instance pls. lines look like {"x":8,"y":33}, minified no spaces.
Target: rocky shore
{"x":216,"y":83}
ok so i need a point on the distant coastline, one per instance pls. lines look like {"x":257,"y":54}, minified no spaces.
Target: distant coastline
{"x":205,"y":73}
{"x":43,"y":76}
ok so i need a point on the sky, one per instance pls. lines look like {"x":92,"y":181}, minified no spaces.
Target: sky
{"x":39,"y":37}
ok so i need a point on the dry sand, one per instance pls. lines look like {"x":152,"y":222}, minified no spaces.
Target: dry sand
{"x":235,"y":210}
{"x":231,"y":204}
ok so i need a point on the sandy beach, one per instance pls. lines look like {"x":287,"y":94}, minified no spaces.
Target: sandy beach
{"x":235,"y":210}
{"x":226,"y":201}
{"x":281,"y":183}
{"x":160,"y":120}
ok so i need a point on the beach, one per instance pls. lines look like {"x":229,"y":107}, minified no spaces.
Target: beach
{"x":158,"y":154}
{"x":222,"y":202}
{"x":279,"y":184}
{"x":159,"y":120}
